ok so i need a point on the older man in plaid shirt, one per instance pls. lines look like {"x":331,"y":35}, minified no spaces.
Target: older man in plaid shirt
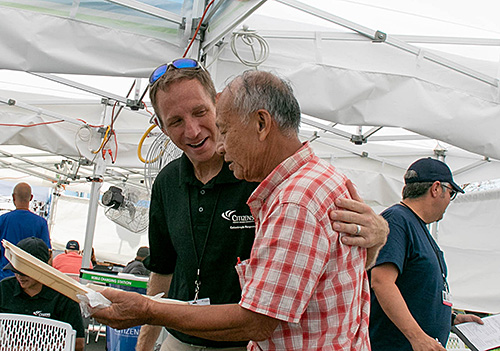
{"x":299,"y":274}
{"x":302,"y":288}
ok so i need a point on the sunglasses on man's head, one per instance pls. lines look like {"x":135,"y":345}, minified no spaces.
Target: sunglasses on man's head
{"x":178,"y":64}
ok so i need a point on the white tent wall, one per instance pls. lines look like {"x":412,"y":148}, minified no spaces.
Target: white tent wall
{"x":112,"y":243}
{"x":468,"y":235}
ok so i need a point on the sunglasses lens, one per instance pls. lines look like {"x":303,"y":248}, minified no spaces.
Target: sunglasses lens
{"x":185,"y":63}
{"x":157,"y":73}
{"x":179,"y":63}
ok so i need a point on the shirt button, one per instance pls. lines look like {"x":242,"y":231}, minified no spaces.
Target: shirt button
{"x":202,"y":192}
{"x":200,"y":209}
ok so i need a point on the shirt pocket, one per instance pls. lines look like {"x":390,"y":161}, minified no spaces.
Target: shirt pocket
{"x":241,"y":269}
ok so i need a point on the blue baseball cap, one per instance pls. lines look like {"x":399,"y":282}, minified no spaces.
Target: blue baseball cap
{"x":431,"y":170}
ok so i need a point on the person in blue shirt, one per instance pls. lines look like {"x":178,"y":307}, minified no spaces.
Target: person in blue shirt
{"x":21,"y":223}
{"x":411,"y":301}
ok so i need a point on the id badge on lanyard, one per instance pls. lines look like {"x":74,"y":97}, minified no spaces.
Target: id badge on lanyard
{"x":446,"y":295}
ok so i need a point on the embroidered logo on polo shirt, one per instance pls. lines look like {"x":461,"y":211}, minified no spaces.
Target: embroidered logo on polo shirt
{"x":41,"y":314}
{"x":239,"y":221}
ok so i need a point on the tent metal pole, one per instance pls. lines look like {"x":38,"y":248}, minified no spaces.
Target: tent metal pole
{"x":39,"y":165}
{"x":362,"y":154}
{"x":95,"y":189}
{"x":338,"y":132}
{"x":236,"y":12}
{"x":86,"y":88}
{"x":27,"y":171}
{"x":97,"y":180}
{"x":379,"y":36}
{"x":341,"y":36}
{"x":476,"y":164}
{"x":41,"y":111}
{"x":54,"y":199}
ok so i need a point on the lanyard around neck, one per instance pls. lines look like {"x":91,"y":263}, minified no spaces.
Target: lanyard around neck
{"x":433,"y":245}
{"x":199,"y":258}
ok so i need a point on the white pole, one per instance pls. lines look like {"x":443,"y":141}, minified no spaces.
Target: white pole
{"x":95,"y":189}
{"x":56,"y":192}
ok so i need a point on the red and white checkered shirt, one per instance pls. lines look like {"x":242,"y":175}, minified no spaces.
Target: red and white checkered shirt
{"x":298,"y":271}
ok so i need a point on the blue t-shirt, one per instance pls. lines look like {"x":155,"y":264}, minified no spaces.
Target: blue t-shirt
{"x":415,"y":253}
{"x":17,"y":225}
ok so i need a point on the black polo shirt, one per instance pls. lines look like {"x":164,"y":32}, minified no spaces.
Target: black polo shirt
{"x":207,"y":226}
{"x":47,"y":303}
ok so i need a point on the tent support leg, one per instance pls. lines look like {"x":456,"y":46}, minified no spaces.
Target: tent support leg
{"x":95,"y":189}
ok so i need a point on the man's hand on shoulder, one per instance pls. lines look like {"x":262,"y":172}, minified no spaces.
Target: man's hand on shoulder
{"x":360,"y":225}
{"x":373,"y":228}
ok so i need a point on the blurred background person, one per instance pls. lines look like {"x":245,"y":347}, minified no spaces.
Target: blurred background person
{"x":24,"y":295}
{"x":21,"y":223}
{"x":137,"y":266}
{"x":70,"y":261}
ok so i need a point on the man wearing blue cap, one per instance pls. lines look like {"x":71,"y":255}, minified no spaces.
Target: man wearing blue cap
{"x":411,"y":302}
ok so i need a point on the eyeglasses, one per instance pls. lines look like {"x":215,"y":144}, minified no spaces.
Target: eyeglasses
{"x":178,"y":63}
{"x":453,"y":192}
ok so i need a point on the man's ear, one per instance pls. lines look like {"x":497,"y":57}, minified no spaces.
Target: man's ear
{"x":264,"y":123}
{"x":435,"y":189}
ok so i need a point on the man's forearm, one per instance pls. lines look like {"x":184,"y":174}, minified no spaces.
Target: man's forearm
{"x":159,"y":283}
{"x":147,"y":337}
{"x":215,"y":322}
{"x":383,"y":283}
{"x":149,"y":333}
{"x":396,"y":309}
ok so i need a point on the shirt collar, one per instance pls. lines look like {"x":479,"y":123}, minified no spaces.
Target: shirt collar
{"x":283,"y":171}
{"x":186,"y":174}
{"x":46,"y":293}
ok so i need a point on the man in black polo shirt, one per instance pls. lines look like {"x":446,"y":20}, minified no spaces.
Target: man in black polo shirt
{"x":200,"y":225}
{"x":23,"y":295}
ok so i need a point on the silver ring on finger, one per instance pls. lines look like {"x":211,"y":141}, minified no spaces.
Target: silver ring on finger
{"x":358,"y":229}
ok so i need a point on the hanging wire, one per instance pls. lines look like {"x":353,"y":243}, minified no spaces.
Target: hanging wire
{"x":251,"y":39}
{"x":198,"y":28}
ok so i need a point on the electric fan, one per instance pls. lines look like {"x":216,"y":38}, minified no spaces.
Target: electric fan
{"x":128,"y":206}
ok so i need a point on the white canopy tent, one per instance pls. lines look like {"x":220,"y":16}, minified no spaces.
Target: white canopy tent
{"x":429,"y":68}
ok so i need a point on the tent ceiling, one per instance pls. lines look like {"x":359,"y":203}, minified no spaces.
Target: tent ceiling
{"x":312,"y":44}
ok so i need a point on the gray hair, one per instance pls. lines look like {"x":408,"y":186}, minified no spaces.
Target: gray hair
{"x":255,"y":90}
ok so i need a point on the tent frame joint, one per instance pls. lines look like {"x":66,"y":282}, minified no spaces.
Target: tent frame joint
{"x":379,"y":37}
{"x":357,"y":139}
{"x":201,"y":32}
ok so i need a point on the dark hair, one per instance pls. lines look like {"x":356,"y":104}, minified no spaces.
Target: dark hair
{"x":143,"y":251}
{"x":174,"y":75}
{"x":415,"y":190}
{"x":256,"y":90}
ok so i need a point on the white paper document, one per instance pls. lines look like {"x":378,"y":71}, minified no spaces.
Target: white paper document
{"x":480,"y":337}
